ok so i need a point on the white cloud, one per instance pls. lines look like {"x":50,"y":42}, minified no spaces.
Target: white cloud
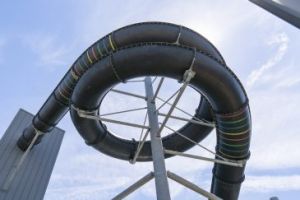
{"x":91,"y":175}
{"x":271,"y":183}
{"x":275,"y":132}
{"x":48,"y":49}
{"x":282,"y":41}
{"x":274,"y":106}
{"x":286,"y":83}
{"x":284,"y":77}
{"x":81,"y":192}
{"x":2,"y":43}
{"x":217,"y":24}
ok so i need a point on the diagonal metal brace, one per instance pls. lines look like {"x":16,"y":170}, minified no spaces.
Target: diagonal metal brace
{"x":187,"y":77}
{"x":135,"y":186}
{"x":13,"y":172}
{"x":192,"y":186}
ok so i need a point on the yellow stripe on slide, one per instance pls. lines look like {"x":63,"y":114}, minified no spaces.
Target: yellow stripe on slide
{"x":74,"y":75}
{"x":66,"y":98}
{"x":235,"y":157}
{"x":88,"y":56}
{"x":239,"y":133}
{"x":111,"y":43}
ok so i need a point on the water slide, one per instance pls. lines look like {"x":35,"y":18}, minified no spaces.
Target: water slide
{"x":154,"y":49}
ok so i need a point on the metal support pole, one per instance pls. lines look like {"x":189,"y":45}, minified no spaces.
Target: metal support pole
{"x":134,"y":187}
{"x":160,"y":174}
{"x":192,"y":186}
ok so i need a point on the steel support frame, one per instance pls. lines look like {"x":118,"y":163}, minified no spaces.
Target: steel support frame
{"x":160,"y":173}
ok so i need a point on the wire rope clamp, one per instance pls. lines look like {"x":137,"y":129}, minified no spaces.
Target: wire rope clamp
{"x":188,"y":75}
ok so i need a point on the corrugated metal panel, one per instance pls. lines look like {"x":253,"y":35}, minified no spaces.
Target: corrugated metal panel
{"x":30,"y":182}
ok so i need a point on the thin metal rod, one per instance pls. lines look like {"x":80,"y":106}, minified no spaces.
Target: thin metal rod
{"x":167,"y":101}
{"x":124,"y":111}
{"x":158,"y":88}
{"x":192,"y":186}
{"x":128,"y":94}
{"x":17,"y":166}
{"x":180,"y":93}
{"x":160,"y":173}
{"x":192,"y":141}
{"x":180,"y":109}
{"x":187,"y":77}
{"x":95,"y":117}
{"x":141,"y":141}
{"x":134,"y":187}
{"x":142,"y":131}
{"x":235,"y":164}
{"x":123,"y":123}
{"x":188,"y":120}
{"x":153,"y":81}
{"x":134,"y":81}
{"x":140,"y":146}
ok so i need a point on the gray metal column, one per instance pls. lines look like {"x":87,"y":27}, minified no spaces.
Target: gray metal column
{"x":160,"y":174}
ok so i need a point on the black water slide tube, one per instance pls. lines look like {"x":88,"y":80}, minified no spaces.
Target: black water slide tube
{"x":154,"y":49}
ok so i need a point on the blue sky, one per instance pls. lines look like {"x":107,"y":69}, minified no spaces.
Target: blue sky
{"x":39,"y":40}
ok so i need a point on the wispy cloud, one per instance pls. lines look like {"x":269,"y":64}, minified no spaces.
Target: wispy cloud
{"x":213,"y":24}
{"x":286,"y":77}
{"x":87,"y":191}
{"x":272,"y":183}
{"x":290,"y":82}
{"x":2,"y":43}
{"x":275,"y":132}
{"x":48,"y":49}
{"x":281,"y":40}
